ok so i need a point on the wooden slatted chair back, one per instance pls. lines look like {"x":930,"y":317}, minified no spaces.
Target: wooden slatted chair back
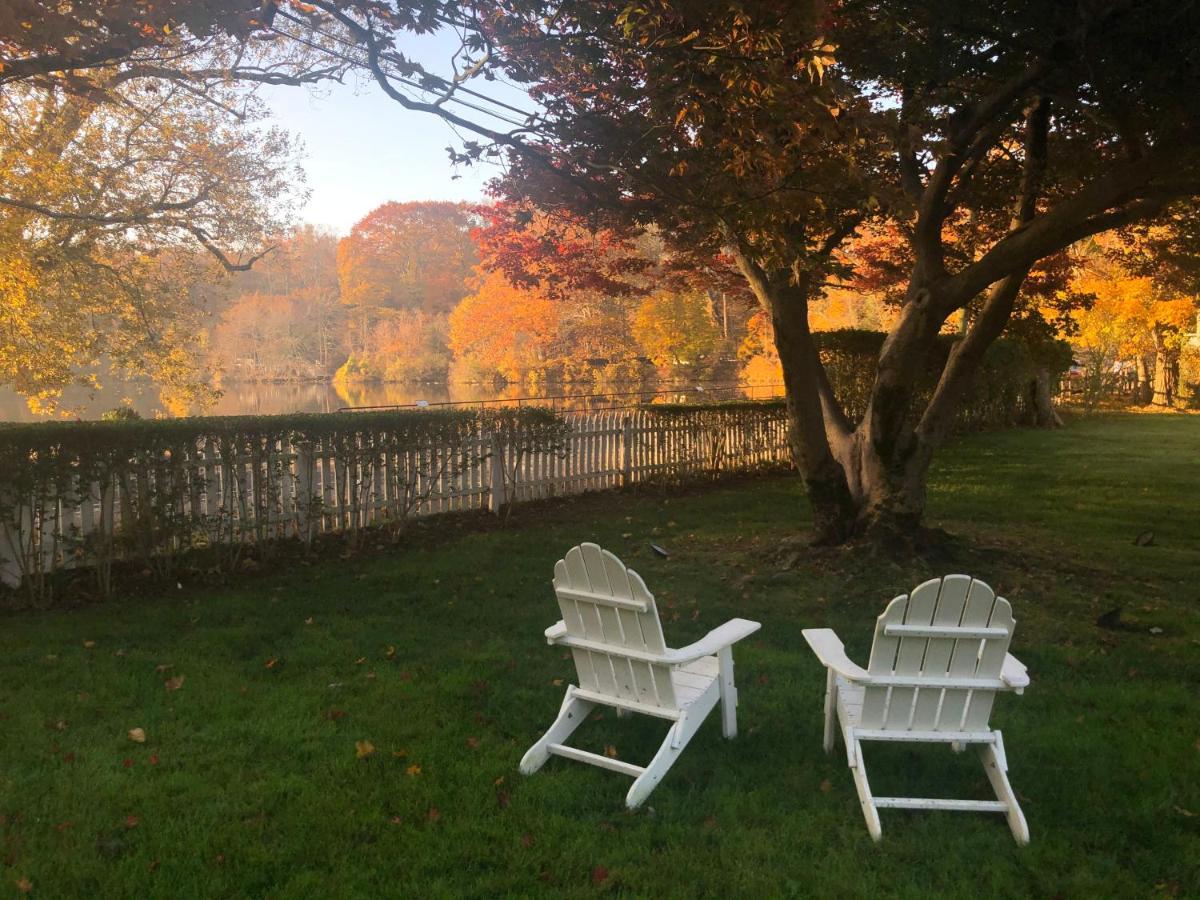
{"x":608,"y":605}
{"x":947,"y":628}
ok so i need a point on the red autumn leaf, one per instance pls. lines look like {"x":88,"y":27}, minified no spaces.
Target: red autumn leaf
{"x":599,"y":875}
{"x":434,"y":814}
{"x":131,"y":821}
{"x":127,"y":763}
{"x":154,"y":759}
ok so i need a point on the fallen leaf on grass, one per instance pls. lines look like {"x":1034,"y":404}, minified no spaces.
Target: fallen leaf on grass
{"x":557,"y":682}
{"x":271,"y":663}
{"x":164,"y":668}
{"x":391,"y":652}
{"x":127,"y":763}
{"x":599,"y":875}
{"x":396,"y":820}
{"x":826,"y":786}
{"x":154,"y":759}
{"x":399,"y":754}
{"x":63,"y":826}
{"x":434,"y":814}
{"x":131,"y":821}
{"x":527,"y":840}
{"x":88,"y":645}
{"x":363,"y":749}
{"x":473,"y":742}
{"x":502,"y":798}
{"x":308,"y":621}
{"x":24,"y":885}
{"x":174,"y":684}
{"x":413,"y":770}
{"x":334,"y":715}
{"x":360,"y":660}
{"x":137,"y":735}
{"x":610,"y":751}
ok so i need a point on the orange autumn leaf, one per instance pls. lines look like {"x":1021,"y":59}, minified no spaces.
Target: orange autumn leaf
{"x":413,"y":771}
{"x":174,"y":684}
{"x":363,"y":749}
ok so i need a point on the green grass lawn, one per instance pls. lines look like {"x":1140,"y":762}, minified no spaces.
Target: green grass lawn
{"x":249,"y":782}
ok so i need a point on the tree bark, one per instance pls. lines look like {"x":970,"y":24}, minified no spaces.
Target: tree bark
{"x":1039,"y":404}
{"x":1143,"y":392}
{"x":1166,"y":373}
{"x":815,"y":421}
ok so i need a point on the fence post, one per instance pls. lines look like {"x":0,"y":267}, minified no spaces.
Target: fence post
{"x":497,"y":488}
{"x":626,"y":451}
{"x":304,"y":489}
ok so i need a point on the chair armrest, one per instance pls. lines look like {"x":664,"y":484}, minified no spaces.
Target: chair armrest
{"x":832,"y":654}
{"x":716,"y":640}
{"x":1014,"y":674}
{"x":556,"y":631}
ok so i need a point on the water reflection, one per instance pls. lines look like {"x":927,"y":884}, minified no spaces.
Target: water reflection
{"x":273,"y":399}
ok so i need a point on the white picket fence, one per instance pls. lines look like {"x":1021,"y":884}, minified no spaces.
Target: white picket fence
{"x":200,"y":494}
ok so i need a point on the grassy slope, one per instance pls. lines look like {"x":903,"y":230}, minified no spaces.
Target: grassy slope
{"x":249,"y":785}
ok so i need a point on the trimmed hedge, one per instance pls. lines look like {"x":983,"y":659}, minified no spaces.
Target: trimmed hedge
{"x":997,"y":397}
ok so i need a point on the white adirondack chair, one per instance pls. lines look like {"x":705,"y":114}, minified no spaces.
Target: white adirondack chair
{"x":940,"y":656}
{"x":611,"y":624}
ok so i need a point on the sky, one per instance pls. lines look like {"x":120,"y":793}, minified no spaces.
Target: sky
{"x":362,"y":148}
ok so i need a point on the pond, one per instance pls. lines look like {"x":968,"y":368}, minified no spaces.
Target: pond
{"x":267,"y":399}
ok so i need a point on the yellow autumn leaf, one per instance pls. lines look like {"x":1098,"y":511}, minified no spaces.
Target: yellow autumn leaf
{"x":413,"y":770}
{"x":137,"y":735}
{"x":363,"y":749}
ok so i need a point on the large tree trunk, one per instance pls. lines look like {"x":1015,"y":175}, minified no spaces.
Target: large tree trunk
{"x":1039,"y":403}
{"x":815,"y":423}
{"x":1143,"y":392}
{"x":1166,"y":376}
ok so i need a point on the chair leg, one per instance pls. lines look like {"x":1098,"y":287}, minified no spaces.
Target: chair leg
{"x":870,"y":813}
{"x":995,"y":766}
{"x":729,"y":698}
{"x":570,"y":716}
{"x":672,"y":746}
{"x":830,"y":708}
